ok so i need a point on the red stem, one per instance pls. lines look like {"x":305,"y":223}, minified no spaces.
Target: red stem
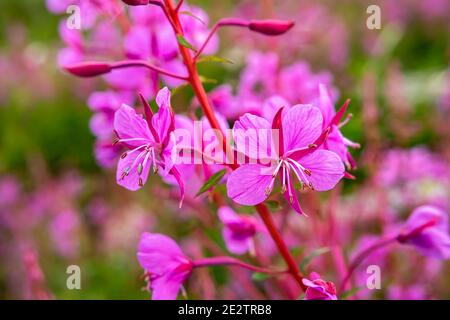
{"x":230,"y":261}
{"x":362,"y":256}
{"x":223,"y":22}
{"x":145,"y":64}
{"x":200,"y":93}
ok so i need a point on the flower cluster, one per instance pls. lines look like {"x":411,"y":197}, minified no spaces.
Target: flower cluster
{"x":264,"y":146}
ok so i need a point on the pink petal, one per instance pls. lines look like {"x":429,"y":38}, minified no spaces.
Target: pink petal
{"x":247,"y":185}
{"x":131,"y":181}
{"x":252,"y":136}
{"x":227,"y":215}
{"x":163,"y":288}
{"x":235,"y":245}
{"x":326,"y":169}
{"x":325,"y":105}
{"x":294,"y":203}
{"x":138,"y":43}
{"x":177,"y":175}
{"x":158,"y":253}
{"x":272,"y":105}
{"x":128,"y":125}
{"x":335,"y":143}
{"x":175,"y":66}
{"x":302,"y":125}
{"x":163,"y":120}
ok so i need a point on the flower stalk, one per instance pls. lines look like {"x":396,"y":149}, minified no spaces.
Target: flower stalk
{"x":200,"y":93}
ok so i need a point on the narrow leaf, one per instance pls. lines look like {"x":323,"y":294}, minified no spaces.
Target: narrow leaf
{"x":207,"y":80}
{"x":214,"y":59}
{"x":190,"y":14}
{"x":273,"y":205}
{"x":212,"y":181}
{"x":182,"y":40}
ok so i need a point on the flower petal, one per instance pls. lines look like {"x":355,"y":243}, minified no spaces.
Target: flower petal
{"x":247,"y":185}
{"x":302,"y":125}
{"x":325,"y":105}
{"x":335,"y":143}
{"x":129,"y":125}
{"x":165,"y":287}
{"x":158,"y":253}
{"x":252,"y":136}
{"x":291,"y":196}
{"x":326,"y":169}
{"x":163,"y":120}
{"x":236,"y":245}
{"x":130,"y":181}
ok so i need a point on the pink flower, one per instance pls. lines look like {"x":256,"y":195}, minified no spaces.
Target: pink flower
{"x":63,"y":229}
{"x":427,"y":230}
{"x":412,"y":292}
{"x":238,"y":230}
{"x":300,"y":85}
{"x":106,"y":153}
{"x":165,"y":263}
{"x":336,"y":142}
{"x":191,"y":144}
{"x":318,"y":289}
{"x":298,"y":157}
{"x":149,"y":142}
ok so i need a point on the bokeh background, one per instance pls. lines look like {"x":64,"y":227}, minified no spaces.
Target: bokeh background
{"x":58,"y":207}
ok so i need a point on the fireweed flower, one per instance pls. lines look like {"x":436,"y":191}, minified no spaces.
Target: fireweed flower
{"x":263,"y":78}
{"x":238,"y":231}
{"x":104,"y":105}
{"x":414,"y":177}
{"x":199,"y":154}
{"x":336,"y":142}
{"x":166,"y":265}
{"x":412,"y":292}
{"x":427,"y":230}
{"x":151,"y":38}
{"x":297,"y":158}
{"x":149,"y":141}
{"x":318,"y":289}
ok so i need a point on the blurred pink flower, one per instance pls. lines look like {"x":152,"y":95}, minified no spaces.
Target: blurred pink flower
{"x":238,"y":230}
{"x":262,"y":79}
{"x":318,"y":289}
{"x":412,"y":292}
{"x":427,"y":230}
{"x":63,"y":230}
{"x":166,"y":265}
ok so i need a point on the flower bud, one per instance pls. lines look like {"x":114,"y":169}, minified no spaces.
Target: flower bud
{"x":271,"y":27}
{"x":136,"y":2}
{"x":89,"y":69}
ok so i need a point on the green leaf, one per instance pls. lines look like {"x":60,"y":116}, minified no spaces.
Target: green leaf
{"x":214,"y":59}
{"x":272,"y":204}
{"x":212,"y":181}
{"x":258,"y":276}
{"x":190,"y":14}
{"x":207,"y":80}
{"x":182,"y":40}
{"x":306,"y":261}
{"x":154,"y":106}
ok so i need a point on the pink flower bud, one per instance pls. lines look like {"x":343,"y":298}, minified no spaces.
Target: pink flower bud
{"x":89,"y":69}
{"x":136,"y":2}
{"x":271,"y":27}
